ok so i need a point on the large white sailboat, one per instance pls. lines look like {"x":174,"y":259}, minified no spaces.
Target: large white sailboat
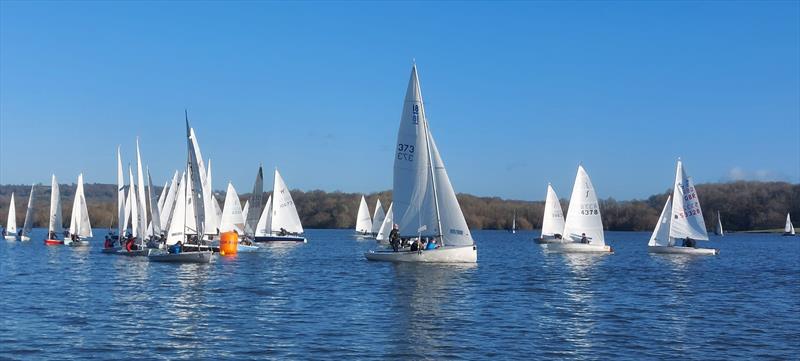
{"x":426,"y":204}
{"x":681,"y":220}
{"x":80,"y":229}
{"x":11,"y":223}
{"x":28,"y":225}
{"x":583,"y":228}
{"x":363,"y":219}
{"x":788,"y":229}
{"x":279,"y":221}
{"x":185,"y":239}
{"x":55,"y":225}
{"x":552,"y":219}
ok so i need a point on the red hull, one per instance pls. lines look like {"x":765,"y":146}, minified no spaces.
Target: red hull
{"x":53,"y":242}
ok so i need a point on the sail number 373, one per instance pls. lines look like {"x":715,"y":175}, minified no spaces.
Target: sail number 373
{"x":405,"y":152}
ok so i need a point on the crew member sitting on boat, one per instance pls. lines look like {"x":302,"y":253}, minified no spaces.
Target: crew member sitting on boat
{"x":583,"y":238}
{"x":283,"y":232}
{"x":688,"y":242}
{"x":431,"y":244}
{"x":557,"y":235}
{"x":394,"y":238}
{"x":108,"y":243}
{"x":130,"y":244}
{"x":175,"y":248}
{"x":52,"y":235}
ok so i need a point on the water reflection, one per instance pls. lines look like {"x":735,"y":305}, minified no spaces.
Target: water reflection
{"x":580,"y":310}
{"x":425,"y":295}
{"x":279,"y":249}
{"x":185,"y":304}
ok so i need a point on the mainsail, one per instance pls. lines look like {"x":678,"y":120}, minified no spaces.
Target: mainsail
{"x":55,"y":224}
{"x":426,"y":202}
{"x":141,"y":198}
{"x":789,"y":227}
{"x":231,"y":219}
{"x":687,"y":217}
{"x":583,"y":215}
{"x":11,"y":224}
{"x":251,"y":219}
{"x":264,"y":225}
{"x":122,"y":214}
{"x":284,"y":211}
{"x":79,"y":223}
{"x":363,"y":220}
{"x":386,"y":226}
{"x":718,"y":229}
{"x":154,"y":212}
{"x":553,"y":219}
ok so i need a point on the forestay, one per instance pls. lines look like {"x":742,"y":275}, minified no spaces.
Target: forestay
{"x":583,"y":215}
{"x":687,"y":217}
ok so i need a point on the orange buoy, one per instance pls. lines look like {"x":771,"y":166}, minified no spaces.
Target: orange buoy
{"x":228,"y":243}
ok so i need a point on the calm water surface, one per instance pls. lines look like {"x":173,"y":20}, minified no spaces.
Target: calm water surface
{"x":324,"y":300}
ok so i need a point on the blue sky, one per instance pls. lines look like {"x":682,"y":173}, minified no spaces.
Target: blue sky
{"x":517,"y":94}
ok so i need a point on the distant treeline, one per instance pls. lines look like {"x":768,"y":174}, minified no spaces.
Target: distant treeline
{"x":742,"y":205}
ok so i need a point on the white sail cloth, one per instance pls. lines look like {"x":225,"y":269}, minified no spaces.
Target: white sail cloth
{"x":583,"y":215}
{"x":553,"y":217}
{"x":687,"y":216}
{"x":363,"y":219}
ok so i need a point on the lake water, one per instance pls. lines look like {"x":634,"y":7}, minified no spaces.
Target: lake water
{"x":324,"y":300}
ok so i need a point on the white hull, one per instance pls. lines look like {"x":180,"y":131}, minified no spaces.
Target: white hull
{"x":243,"y":248}
{"x":183,"y":257}
{"x":111,"y":250}
{"x":78,"y":243}
{"x":24,"y":238}
{"x":462,"y":254}
{"x":579,"y":248}
{"x":682,"y":250}
{"x":548,"y":240}
{"x":11,"y":238}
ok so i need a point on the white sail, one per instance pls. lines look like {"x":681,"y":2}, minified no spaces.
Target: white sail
{"x":133,"y":206}
{"x":514,"y":223}
{"x":169,"y":202}
{"x":28,"y":225}
{"x":386,"y":225}
{"x":263,"y":227}
{"x":583,"y":214}
{"x":161,"y":198}
{"x":251,"y":218}
{"x":284,"y":211}
{"x":789,"y":227}
{"x":553,"y":218}
{"x":718,"y":230}
{"x":232,"y":219}
{"x":177,"y":225}
{"x":687,"y":217}
{"x":363,"y":220}
{"x":79,"y":223}
{"x":122,"y":212}
{"x":377,"y":217}
{"x":11,"y":223}
{"x":55,"y":224}
{"x":660,"y":235}
{"x":198,"y":204}
{"x":217,"y":212}
{"x":155,"y":223}
{"x":213,"y":218}
{"x":141,"y":197}
{"x":426,"y":202}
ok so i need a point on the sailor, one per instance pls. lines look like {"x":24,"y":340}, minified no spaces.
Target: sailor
{"x":583,"y":238}
{"x":431,"y":244}
{"x":394,"y":237}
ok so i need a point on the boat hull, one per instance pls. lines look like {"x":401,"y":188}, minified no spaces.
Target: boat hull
{"x":579,"y":248}
{"x":548,"y":240}
{"x":11,"y":238}
{"x":24,"y":238}
{"x":136,"y":252}
{"x":682,"y":250}
{"x":243,"y":248}
{"x":462,"y":254}
{"x":280,"y":239}
{"x":78,"y":243}
{"x":183,"y":257}
{"x":53,"y":242}
{"x":789,"y":234}
{"x":111,"y":250}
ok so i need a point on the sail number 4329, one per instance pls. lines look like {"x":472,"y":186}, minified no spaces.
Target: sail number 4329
{"x":405,"y":152}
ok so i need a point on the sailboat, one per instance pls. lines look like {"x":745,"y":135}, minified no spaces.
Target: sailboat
{"x":80,"y":229}
{"x":11,"y":224}
{"x":190,"y":197}
{"x":377,"y":218}
{"x":718,"y":229}
{"x":280,"y":219}
{"x":680,"y":220}
{"x":363,"y":219}
{"x":28,"y":225}
{"x":427,"y":208}
{"x":55,"y":225}
{"x":552,"y":219}
{"x":232,"y":219}
{"x":513,"y":229}
{"x":386,"y":226}
{"x":583,"y":228}
{"x":788,"y":229}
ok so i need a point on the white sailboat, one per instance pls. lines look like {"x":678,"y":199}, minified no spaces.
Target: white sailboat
{"x":283,"y":221}
{"x":427,"y":207}
{"x":191,"y":195}
{"x":11,"y":223}
{"x":788,"y":229}
{"x":363,"y":219}
{"x":232,"y":219}
{"x":55,"y":225}
{"x":552,"y":219}
{"x":685,"y":222}
{"x":386,"y":226}
{"x":513,"y":229}
{"x":28,"y":225}
{"x":377,"y":218}
{"x":718,"y":229}
{"x":583,"y":228}
{"x":80,"y":229}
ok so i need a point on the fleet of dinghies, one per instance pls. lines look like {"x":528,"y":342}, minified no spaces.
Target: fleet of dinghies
{"x":185,"y":223}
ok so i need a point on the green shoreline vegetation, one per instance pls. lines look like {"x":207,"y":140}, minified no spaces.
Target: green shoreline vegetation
{"x":745,"y":206}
